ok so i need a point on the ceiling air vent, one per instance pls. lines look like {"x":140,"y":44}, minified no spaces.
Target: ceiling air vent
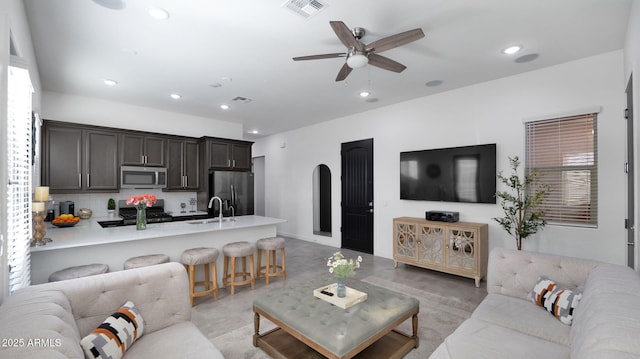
{"x":241,"y":99}
{"x":305,"y":8}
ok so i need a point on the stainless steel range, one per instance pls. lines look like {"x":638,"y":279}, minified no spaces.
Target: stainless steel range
{"x":155,"y":214}
{"x":127,"y":213}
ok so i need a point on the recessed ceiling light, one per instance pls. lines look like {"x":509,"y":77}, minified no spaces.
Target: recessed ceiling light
{"x":433,"y":83}
{"x":158,"y":13}
{"x":512,"y":50}
{"x":364,"y":93}
{"x":215,"y":84}
{"x":224,"y":107}
{"x":110,"y":82}
{"x":175,"y":96}
{"x":254,"y":132}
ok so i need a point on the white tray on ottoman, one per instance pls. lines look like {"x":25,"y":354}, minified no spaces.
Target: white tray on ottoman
{"x":353,"y":296}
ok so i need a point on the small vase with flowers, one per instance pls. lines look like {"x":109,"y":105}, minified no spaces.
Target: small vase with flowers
{"x":141,"y":203}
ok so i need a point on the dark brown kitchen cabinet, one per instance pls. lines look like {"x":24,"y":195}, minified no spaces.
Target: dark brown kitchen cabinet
{"x":142,"y":150}
{"x":182,"y":165}
{"x":79,"y":158}
{"x":228,"y":154}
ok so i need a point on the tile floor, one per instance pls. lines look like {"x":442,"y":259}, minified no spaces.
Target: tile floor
{"x":306,"y":259}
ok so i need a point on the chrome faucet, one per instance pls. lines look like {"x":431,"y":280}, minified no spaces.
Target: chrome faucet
{"x":211,"y":205}
{"x":233,"y":213}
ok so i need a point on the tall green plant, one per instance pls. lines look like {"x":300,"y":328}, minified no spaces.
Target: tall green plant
{"x":522,"y":217}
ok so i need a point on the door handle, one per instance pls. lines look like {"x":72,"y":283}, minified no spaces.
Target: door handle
{"x":370,"y":210}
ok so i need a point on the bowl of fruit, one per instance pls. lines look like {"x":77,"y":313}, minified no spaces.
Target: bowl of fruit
{"x":65,"y":220}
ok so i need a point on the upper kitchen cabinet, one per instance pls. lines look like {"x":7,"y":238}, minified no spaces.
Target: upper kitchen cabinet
{"x":142,"y":150}
{"x":78,"y":158}
{"x":227,"y":154}
{"x":183,"y":166}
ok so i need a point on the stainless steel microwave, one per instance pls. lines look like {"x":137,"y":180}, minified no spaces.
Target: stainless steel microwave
{"x":143,"y":177}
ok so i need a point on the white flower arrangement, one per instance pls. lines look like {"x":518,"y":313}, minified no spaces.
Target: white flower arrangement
{"x":342,"y":267}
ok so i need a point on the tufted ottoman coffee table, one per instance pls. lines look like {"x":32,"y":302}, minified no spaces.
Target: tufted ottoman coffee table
{"x":309,"y":327}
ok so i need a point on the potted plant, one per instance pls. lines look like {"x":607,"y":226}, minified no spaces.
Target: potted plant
{"x":522,"y":217}
{"x":111,"y":206}
{"x":342,"y":268}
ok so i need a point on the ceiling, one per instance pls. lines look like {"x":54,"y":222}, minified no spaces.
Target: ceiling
{"x":212,"y":52}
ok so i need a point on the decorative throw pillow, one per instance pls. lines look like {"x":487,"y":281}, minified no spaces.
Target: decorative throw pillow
{"x":559,"y":302}
{"x":115,"y":335}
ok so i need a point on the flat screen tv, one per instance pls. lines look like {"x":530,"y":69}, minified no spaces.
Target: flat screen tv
{"x":457,"y":174}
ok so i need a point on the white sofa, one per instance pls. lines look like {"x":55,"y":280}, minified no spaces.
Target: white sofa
{"x":49,"y":320}
{"x":507,"y":324}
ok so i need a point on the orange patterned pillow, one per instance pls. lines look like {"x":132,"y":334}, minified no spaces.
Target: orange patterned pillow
{"x":559,"y":302}
{"x":115,"y":335}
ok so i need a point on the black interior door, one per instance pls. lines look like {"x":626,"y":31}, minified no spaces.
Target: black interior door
{"x":357,"y":195}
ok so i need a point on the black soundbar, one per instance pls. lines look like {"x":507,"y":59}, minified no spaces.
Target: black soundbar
{"x":442,"y":216}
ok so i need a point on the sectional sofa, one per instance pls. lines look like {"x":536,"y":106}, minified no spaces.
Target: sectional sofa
{"x":605,"y":321}
{"x":50,"y":320}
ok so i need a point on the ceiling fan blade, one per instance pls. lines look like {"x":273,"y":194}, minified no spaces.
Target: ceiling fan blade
{"x":385,"y":63}
{"x":396,"y":40}
{"x":318,"y":57}
{"x":345,"y":35}
{"x":344,"y":72}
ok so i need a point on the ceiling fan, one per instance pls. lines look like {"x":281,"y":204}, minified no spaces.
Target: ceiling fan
{"x":359,"y":54}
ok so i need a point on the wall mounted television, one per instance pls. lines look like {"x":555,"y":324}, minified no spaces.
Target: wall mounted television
{"x":456,"y":174}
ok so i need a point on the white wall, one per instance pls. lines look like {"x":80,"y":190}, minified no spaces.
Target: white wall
{"x":490,"y":112}
{"x":632,"y":41}
{"x":258,"y":185}
{"x":78,"y":109}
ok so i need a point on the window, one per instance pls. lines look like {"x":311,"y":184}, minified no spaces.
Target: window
{"x":563,"y":154}
{"x":18,"y":190}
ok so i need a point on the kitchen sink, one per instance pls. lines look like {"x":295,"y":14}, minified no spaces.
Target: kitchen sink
{"x":213,"y":220}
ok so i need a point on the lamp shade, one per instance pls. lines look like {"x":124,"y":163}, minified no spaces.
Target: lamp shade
{"x":357,"y":60}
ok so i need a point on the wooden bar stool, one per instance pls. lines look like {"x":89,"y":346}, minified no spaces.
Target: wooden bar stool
{"x":207,"y":257}
{"x":78,"y":272}
{"x":271,"y":269}
{"x":143,"y":261}
{"x":238,"y":250}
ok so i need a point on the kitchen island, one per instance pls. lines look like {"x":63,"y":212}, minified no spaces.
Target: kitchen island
{"x":87,"y":242}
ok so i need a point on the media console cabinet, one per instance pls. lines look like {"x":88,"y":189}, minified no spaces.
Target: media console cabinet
{"x":458,"y":248}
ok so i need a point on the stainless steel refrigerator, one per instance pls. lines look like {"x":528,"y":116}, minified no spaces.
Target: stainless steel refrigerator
{"x":235,"y":189}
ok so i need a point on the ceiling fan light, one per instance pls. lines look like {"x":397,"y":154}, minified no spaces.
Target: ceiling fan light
{"x":357,"y":61}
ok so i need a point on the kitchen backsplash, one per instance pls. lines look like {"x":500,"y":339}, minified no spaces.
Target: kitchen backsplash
{"x":97,"y":202}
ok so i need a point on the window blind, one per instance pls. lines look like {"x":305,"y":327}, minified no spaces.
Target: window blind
{"x":19,"y":225}
{"x":562,"y":152}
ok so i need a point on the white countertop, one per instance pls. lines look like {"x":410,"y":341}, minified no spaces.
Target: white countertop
{"x":88,"y":232}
